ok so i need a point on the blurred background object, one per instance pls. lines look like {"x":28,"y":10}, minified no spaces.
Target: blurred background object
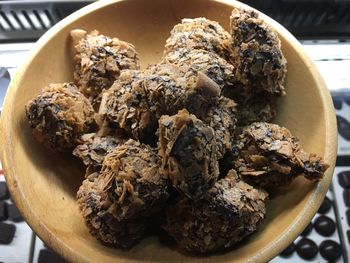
{"x":25,"y":20}
{"x":22,"y":20}
{"x":322,"y":27}
{"x":309,"y":19}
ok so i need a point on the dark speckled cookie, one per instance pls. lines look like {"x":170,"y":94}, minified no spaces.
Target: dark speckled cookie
{"x":230,"y":211}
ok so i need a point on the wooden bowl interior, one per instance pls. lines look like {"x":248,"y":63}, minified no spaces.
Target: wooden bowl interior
{"x":44,"y":184}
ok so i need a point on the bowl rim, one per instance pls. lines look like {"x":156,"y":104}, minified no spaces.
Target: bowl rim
{"x":265,"y":254}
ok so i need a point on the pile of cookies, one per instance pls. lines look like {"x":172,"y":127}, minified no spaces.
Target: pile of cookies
{"x":185,"y":142}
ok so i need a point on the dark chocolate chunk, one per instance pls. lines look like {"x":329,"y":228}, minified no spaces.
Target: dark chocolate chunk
{"x":4,"y":192}
{"x":346,"y":197}
{"x":288,"y":251}
{"x":337,"y":102}
{"x":49,"y":256}
{"x":307,"y":230}
{"x":3,"y":211}
{"x":343,"y":127}
{"x":325,"y":206}
{"x":7,"y":232}
{"x":330,"y":250}
{"x":306,"y":248}
{"x":344,"y":179}
{"x":324,"y":225}
{"x":13,"y":213}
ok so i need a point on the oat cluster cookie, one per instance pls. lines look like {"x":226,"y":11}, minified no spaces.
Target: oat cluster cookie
{"x":199,"y":33}
{"x":94,"y":147}
{"x":97,"y":207}
{"x":99,"y":60}
{"x":117,"y":202}
{"x":59,"y":115}
{"x":222,"y":118}
{"x":189,"y":153}
{"x":269,"y":156}
{"x":210,"y":63}
{"x":260,"y":67}
{"x":186,"y":143}
{"x":227,"y":213}
{"x":137,"y":100}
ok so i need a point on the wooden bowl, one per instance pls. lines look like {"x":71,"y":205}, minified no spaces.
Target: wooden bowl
{"x":44,"y":185}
